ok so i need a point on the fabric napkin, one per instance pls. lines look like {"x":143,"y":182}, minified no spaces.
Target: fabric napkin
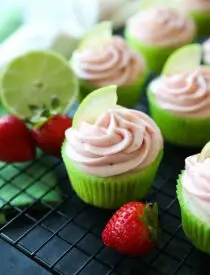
{"x":23,"y":183}
{"x":10,"y":20}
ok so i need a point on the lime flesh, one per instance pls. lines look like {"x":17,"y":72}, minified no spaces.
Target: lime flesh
{"x":95,"y":104}
{"x":33,"y":79}
{"x":183,"y":60}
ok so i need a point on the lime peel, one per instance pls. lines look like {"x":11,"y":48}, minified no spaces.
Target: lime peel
{"x":33,"y":78}
{"x":185,"y":59}
{"x":95,"y":104}
{"x":97,"y":35}
{"x":147,"y":4}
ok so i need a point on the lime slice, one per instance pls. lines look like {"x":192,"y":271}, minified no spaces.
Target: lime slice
{"x":205,"y":153}
{"x":33,"y":79}
{"x":183,"y":60}
{"x":147,"y":4}
{"x":95,"y":104}
{"x":96,"y":36}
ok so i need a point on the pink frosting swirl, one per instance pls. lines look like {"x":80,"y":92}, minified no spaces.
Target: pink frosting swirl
{"x":206,"y":51}
{"x":112,"y":63}
{"x":120,"y":141}
{"x":161,"y":27}
{"x":196,"y":186}
{"x":194,"y":5}
{"x":186,"y":94}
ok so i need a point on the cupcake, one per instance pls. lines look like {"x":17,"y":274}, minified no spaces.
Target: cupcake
{"x":114,"y":158}
{"x":112,"y":62}
{"x":193,"y":190}
{"x":199,"y":11}
{"x":157,"y":32}
{"x":180,"y":105}
{"x":206,"y":52}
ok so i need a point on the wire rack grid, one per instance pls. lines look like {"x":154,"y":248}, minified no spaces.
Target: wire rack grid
{"x":64,"y":237}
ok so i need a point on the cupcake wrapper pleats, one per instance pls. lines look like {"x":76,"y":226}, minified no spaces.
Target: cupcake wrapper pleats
{"x":111,"y":192}
{"x":188,"y":132}
{"x":196,"y":231}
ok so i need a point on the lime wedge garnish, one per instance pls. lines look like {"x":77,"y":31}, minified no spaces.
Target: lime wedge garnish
{"x":95,"y":104}
{"x":96,"y":36}
{"x":205,"y":153}
{"x":183,"y":60}
{"x":33,"y":79}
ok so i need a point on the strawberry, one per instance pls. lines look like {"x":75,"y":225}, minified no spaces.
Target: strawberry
{"x":50,"y":136}
{"x":16,"y":143}
{"x":133,"y":229}
{"x":49,"y":127}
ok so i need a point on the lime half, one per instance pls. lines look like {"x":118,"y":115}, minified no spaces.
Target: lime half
{"x":33,"y":79}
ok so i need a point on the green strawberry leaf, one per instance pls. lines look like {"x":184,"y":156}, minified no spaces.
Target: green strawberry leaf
{"x":150,"y":219}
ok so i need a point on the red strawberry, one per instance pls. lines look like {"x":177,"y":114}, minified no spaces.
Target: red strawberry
{"x":133,"y":229}
{"x":50,"y":126}
{"x":50,"y":135}
{"x":16,"y":143}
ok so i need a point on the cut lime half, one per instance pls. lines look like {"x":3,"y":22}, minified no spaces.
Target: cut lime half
{"x":183,"y":60}
{"x":205,"y":153}
{"x":95,"y":104}
{"x":99,"y":33}
{"x":33,"y":79}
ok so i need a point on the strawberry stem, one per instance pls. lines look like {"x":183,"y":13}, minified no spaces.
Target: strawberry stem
{"x":150,"y":219}
{"x":41,"y":114}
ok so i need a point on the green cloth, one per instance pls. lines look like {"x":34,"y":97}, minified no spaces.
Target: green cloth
{"x":23,"y":183}
{"x":10,"y":21}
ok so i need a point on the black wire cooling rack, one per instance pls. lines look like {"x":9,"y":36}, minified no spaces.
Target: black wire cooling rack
{"x":64,"y":238}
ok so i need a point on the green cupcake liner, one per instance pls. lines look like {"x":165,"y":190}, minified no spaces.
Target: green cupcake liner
{"x":202,"y":22}
{"x":188,"y":132}
{"x":111,"y":192}
{"x":154,"y":56}
{"x":195,"y":230}
{"x":128,"y":96}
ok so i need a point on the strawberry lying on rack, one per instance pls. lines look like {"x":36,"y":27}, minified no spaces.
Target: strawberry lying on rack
{"x":133,"y":229}
{"x":16,"y":142}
